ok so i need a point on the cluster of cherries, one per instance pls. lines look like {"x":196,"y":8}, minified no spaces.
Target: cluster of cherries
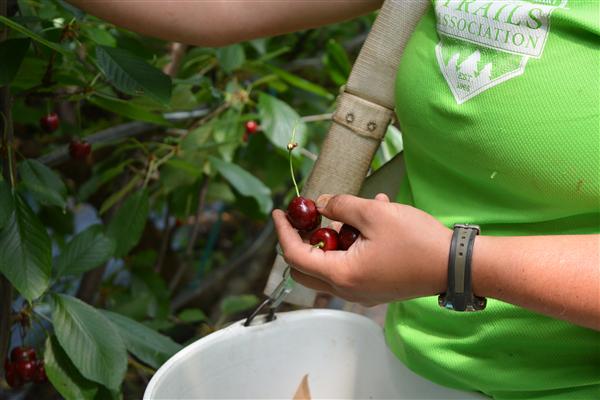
{"x":304,"y":216}
{"x":23,"y":367}
{"x":78,"y":149}
{"x":252,"y":128}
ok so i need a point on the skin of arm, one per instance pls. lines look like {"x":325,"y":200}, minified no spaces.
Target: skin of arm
{"x":216,"y":23}
{"x":403,"y":253}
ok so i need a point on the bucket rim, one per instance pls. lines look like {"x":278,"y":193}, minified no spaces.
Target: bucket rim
{"x":227,"y":332}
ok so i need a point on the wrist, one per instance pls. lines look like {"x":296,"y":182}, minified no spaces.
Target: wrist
{"x":439,"y":280}
{"x":481,"y":266}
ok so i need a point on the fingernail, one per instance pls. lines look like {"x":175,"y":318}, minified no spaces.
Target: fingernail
{"x":323,"y":200}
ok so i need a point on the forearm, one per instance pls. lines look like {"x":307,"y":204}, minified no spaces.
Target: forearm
{"x":222,"y":22}
{"x":558,"y":276}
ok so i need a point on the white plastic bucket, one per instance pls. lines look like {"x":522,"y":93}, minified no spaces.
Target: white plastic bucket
{"x":343,"y":354}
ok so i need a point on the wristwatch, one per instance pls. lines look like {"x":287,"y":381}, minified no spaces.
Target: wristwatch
{"x":459,"y":296}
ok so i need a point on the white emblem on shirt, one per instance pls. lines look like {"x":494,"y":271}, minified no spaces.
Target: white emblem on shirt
{"x":487,"y":42}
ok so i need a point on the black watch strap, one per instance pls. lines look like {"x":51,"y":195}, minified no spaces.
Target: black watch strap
{"x":459,"y":296}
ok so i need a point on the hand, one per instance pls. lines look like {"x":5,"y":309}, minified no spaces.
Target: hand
{"x":402,"y":253}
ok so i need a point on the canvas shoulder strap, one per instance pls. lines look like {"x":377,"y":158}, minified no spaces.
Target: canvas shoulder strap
{"x":364,"y":109}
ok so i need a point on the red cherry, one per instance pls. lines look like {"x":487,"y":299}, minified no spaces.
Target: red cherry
{"x":50,"y":122}
{"x":39,"y":376}
{"x":251,"y":127}
{"x":302,"y":214}
{"x":79,"y":150}
{"x":348,"y":235}
{"x":22,"y":353}
{"x":10,"y":374}
{"x":26,"y":370}
{"x":325,"y":238}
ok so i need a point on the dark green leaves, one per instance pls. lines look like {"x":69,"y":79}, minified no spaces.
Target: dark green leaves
{"x":192,"y":315}
{"x":85,"y":251}
{"x":146,"y":344}
{"x":6,"y":203}
{"x":25,"y":252}
{"x":64,"y":376}
{"x":245,"y":183}
{"x":300,"y":83}
{"x":91,"y":341}
{"x":43,"y":183}
{"x":128,"y":109}
{"x":337,"y":63}
{"x":278,"y":120}
{"x":133,"y":75}
{"x":12,"y":53}
{"x":231,"y":57}
{"x":236,"y":304}
{"x":21,"y":29}
{"x":127,"y":225}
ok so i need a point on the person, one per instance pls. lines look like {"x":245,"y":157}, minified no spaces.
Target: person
{"x":498,"y":104}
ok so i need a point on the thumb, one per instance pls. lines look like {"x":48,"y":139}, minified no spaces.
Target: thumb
{"x":347,"y":209}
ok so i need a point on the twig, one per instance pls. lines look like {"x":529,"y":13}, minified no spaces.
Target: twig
{"x":189,"y":251}
{"x":207,"y":117}
{"x":308,"y":154}
{"x":177,"y":52}
{"x":118,"y":133}
{"x":166,"y":241}
{"x":315,"y":118}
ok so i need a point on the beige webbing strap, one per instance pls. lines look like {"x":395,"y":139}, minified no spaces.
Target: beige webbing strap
{"x":364,"y":110}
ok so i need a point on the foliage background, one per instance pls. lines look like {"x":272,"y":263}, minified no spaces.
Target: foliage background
{"x":111,"y":264}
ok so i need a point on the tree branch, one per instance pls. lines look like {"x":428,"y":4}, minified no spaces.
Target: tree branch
{"x":120,"y":133}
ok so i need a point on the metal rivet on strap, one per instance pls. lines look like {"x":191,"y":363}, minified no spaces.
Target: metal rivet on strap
{"x":349,"y":118}
{"x":371,"y":126}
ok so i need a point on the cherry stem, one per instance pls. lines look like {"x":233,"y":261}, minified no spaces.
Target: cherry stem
{"x":291,"y":164}
{"x":319,"y":245}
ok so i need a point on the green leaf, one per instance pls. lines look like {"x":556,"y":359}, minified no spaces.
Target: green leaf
{"x":178,"y":172}
{"x":337,"y":63}
{"x":21,"y":29}
{"x":128,"y":110}
{"x":300,"y":83}
{"x":231,"y":57}
{"x":12,"y":53}
{"x":133,"y":75}
{"x":43,"y":183}
{"x":146,"y":344}
{"x":90,"y":340}
{"x":278,"y":120}
{"x":86,"y":251}
{"x":64,"y":376}
{"x":117,"y":196}
{"x":127,"y":225}
{"x":245,"y":183}
{"x":192,"y":315}
{"x":100,"y":36}
{"x":6,"y":203}
{"x":25,"y":251}
{"x":236,"y":304}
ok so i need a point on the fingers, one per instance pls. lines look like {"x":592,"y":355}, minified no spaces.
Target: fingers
{"x":304,"y":257}
{"x":346,"y":208}
{"x":311,"y":282}
{"x":382,"y":197}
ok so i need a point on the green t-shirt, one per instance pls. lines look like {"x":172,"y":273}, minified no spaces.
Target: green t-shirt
{"x":499,"y":104}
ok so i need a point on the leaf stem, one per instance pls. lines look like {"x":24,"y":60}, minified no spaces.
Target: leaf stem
{"x":290,"y":148}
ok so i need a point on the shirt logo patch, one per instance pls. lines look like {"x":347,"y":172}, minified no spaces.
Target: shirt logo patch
{"x":486,"y":42}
